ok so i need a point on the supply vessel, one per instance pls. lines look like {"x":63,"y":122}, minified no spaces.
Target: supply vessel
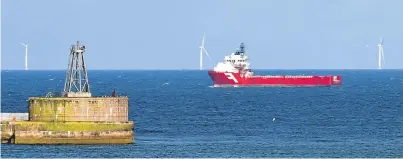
{"x":235,"y":72}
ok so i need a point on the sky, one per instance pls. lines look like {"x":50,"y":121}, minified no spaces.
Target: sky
{"x":166,"y":34}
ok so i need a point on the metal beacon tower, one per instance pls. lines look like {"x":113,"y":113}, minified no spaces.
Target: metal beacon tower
{"x":76,"y":83}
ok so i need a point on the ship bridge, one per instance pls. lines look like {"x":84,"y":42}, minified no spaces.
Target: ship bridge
{"x":236,"y":62}
{"x":238,"y":59}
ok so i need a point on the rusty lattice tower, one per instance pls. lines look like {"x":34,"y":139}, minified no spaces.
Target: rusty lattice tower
{"x":76,"y":84}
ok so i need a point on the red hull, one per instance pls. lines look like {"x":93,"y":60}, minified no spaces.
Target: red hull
{"x":222,"y":79}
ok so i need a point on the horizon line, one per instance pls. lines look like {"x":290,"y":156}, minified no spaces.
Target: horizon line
{"x":204,"y":69}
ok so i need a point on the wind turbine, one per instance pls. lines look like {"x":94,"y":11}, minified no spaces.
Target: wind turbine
{"x":201,"y":53}
{"x":381,"y":56}
{"x":26,"y":54}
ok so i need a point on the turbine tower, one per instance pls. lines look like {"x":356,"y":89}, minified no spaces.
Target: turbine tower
{"x":202,"y":49}
{"x":381,"y":56}
{"x":26,"y":55}
{"x":76,"y":84}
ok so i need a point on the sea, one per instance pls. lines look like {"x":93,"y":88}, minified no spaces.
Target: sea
{"x":178,"y":114}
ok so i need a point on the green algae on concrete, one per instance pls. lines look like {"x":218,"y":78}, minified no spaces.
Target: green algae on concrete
{"x":74,"y":126}
{"x":72,"y":120}
{"x":7,"y":131}
{"x":78,"y":109}
{"x":27,"y":132}
{"x":58,"y":141}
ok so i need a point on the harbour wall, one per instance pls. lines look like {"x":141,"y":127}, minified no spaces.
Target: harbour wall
{"x":70,"y":120}
{"x":27,"y":132}
{"x":78,"y":109}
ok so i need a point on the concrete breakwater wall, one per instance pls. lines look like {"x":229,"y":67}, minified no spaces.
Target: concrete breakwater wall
{"x":7,"y":132}
{"x":78,"y":109}
{"x":70,"y":120}
{"x":27,"y":132}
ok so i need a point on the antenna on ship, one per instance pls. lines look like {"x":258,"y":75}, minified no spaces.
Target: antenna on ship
{"x":201,"y":53}
{"x":26,"y":54}
{"x":241,"y":50}
{"x":76,"y":84}
{"x":381,"y":56}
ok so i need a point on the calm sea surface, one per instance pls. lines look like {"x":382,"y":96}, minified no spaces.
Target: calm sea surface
{"x":178,"y":115}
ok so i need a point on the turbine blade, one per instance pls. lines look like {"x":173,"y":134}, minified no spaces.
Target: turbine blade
{"x":203,"y":41}
{"x":205,"y":51}
{"x":22,"y":43}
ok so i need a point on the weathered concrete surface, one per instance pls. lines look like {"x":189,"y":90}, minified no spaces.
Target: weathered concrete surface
{"x":77,"y":141}
{"x":74,"y":137}
{"x":71,"y":120}
{"x":78,"y":109}
{"x":74,"y":126}
{"x":14,"y":116}
{"x":27,"y":132}
{"x":7,"y":131}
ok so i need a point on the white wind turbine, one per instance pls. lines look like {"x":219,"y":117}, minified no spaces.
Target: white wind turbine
{"x":26,"y":54}
{"x":201,"y":53}
{"x":381,"y":56}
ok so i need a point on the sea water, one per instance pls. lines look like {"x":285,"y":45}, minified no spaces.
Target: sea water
{"x":177,"y":114}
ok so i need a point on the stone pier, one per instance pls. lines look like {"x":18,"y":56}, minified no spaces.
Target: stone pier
{"x":68,"y":120}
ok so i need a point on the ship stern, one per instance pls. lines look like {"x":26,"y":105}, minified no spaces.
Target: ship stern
{"x":336,"y":80}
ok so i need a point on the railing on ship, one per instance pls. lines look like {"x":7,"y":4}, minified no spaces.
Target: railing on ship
{"x":281,"y":76}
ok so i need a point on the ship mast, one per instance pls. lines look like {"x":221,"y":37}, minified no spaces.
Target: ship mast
{"x":241,"y":50}
{"x":76,"y":83}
